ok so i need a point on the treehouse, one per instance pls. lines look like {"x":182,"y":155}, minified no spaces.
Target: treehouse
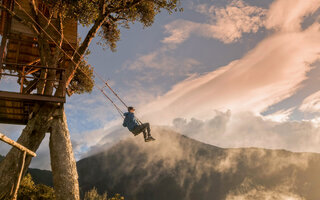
{"x":20,"y":59}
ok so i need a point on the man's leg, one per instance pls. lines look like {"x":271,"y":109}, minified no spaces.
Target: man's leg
{"x":145,"y":135}
{"x":146,"y":129}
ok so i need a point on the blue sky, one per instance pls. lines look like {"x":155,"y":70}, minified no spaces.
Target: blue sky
{"x":228,"y":73}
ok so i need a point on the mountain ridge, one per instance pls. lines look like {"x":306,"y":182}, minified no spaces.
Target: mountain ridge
{"x":177,"y":167}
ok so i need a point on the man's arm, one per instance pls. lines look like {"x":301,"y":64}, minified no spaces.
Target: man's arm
{"x":124,"y":124}
{"x":136,"y":121}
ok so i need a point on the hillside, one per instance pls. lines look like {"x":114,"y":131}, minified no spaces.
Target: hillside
{"x":39,"y":176}
{"x":176,"y":167}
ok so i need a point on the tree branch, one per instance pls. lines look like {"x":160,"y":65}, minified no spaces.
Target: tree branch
{"x":84,"y":46}
{"x":91,"y":34}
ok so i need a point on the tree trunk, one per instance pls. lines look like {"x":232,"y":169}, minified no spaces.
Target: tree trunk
{"x":31,"y":137}
{"x":63,"y":164}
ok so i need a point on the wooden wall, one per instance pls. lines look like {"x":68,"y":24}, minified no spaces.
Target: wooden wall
{"x":70,"y":26}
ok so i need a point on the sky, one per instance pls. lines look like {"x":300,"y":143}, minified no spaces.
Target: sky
{"x":231,"y":73}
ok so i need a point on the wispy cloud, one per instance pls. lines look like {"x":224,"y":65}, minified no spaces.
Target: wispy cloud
{"x":226,"y":24}
{"x":284,"y":15}
{"x":269,"y":73}
{"x":250,"y":190}
{"x":311,"y":103}
{"x":229,"y":130}
{"x":161,"y":63}
{"x":280,"y":115}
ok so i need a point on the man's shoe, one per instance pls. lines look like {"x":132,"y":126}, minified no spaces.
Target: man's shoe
{"x":151,"y":138}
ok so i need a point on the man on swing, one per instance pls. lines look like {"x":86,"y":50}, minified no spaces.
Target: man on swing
{"x":135,"y":126}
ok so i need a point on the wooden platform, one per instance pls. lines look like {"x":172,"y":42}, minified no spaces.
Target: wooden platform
{"x":20,"y":58}
{"x":15,"y":108}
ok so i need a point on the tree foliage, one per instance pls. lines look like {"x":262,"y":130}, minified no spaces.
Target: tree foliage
{"x":105,"y":18}
{"x":82,"y":81}
{"x":94,"y":195}
{"x":114,"y":13}
{"x":30,"y":191}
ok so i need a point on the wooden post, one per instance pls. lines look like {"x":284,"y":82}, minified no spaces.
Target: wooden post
{"x":63,"y":74}
{"x":22,"y":79}
{"x":6,"y":25}
{"x":15,"y":194}
{"x":2,"y":50}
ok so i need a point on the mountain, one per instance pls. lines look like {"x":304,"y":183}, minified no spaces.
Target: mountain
{"x":39,"y":176}
{"x":175,"y":167}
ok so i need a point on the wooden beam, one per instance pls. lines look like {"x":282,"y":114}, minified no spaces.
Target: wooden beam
{"x":32,"y":71}
{"x":30,"y":97}
{"x":12,"y":114}
{"x":2,"y":49}
{"x":13,"y":121}
{"x":22,"y":79}
{"x":11,"y":107}
{"x":15,"y":194}
{"x":34,"y":61}
{"x":31,"y":86}
{"x":35,"y":66}
{"x":16,"y":145}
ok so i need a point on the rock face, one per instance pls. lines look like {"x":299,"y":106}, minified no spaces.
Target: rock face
{"x":175,"y":167}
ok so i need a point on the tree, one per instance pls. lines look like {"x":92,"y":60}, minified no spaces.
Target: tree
{"x":105,"y":19}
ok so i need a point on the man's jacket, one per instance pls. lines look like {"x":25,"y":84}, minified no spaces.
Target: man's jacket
{"x":130,"y":121}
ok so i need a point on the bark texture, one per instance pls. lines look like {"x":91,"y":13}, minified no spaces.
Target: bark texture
{"x":63,"y":164}
{"x":31,"y":137}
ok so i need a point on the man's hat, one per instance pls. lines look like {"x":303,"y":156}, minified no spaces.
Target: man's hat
{"x":130,"y":108}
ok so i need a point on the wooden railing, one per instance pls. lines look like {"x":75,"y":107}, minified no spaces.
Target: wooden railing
{"x":28,"y":72}
{"x":25,"y":151}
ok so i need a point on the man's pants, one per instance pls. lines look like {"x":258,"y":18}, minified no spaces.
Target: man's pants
{"x":145,"y":128}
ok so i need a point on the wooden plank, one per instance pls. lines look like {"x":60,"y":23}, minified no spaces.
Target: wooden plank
{"x":15,"y":194}
{"x":32,"y":97}
{"x":13,"y":114}
{"x":11,"y":107}
{"x":35,"y":66}
{"x":16,"y":145}
{"x":13,"y":121}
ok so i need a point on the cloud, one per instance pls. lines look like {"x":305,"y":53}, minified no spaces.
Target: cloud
{"x":311,"y":104}
{"x":280,"y":115}
{"x":247,"y":130}
{"x":249,"y":190}
{"x":162,"y":64}
{"x":269,"y":73}
{"x":226,"y":24}
{"x":287,"y":16}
